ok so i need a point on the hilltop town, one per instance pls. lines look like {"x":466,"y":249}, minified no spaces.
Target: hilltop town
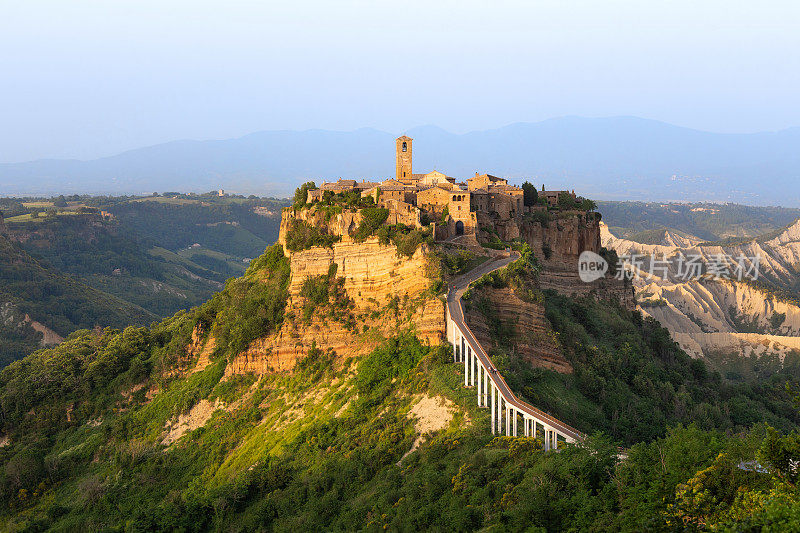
{"x":481,"y":203}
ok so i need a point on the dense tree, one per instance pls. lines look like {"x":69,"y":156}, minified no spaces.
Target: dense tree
{"x":301,"y":194}
{"x":530,"y":195}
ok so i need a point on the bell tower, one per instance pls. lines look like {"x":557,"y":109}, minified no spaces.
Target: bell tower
{"x":404,"y":159}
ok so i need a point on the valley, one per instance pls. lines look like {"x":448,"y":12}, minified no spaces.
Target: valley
{"x":153,"y":256}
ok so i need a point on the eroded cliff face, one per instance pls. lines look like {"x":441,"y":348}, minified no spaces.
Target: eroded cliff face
{"x":558,"y":246}
{"x":342,"y":224}
{"x":779,"y":257}
{"x":723,"y":316}
{"x":561,"y":241}
{"x":532,"y":337}
{"x":388,"y":293}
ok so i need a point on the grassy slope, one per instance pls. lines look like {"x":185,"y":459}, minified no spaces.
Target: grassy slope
{"x":319,"y":448}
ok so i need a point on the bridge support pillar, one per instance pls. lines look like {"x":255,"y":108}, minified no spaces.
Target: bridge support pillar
{"x":493,"y":401}
{"x":480,"y":385}
{"x":466,"y":366}
{"x":485,"y":384}
{"x":499,"y":413}
{"x":473,"y":369}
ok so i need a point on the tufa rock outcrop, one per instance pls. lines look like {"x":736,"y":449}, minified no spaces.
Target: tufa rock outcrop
{"x":387,"y":292}
{"x":532,"y":335}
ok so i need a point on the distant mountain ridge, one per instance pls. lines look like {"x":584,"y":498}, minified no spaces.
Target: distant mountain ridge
{"x":604,"y":158}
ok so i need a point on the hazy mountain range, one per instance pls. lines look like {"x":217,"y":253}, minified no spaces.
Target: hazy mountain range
{"x":604,"y":158}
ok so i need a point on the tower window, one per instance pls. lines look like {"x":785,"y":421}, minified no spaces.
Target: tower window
{"x":405,"y":147}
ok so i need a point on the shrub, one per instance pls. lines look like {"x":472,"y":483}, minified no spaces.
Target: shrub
{"x":458,"y":262}
{"x":611,"y":257}
{"x":253,"y":306}
{"x":302,"y":235}
{"x":406,"y":238}
{"x":319,"y":291}
{"x":538,"y":217}
{"x":371,"y":219}
{"x":567,"y":202}
{"x":529,"y":194}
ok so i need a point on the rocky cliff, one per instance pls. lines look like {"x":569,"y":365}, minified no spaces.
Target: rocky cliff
{"x":341,"y":224}
{"x":558,"y":245}
{"x":531,"y":335}
{"x":387,"y":292}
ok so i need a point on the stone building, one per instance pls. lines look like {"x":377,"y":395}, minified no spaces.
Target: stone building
{"x":455,"y":208}
{"x":482,"y":181}
{"x":403,"y":164}
{"x":435,"y":178}
{"x":552,"y":196}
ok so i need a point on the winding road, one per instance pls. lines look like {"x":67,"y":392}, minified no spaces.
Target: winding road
{"x":456,"y":312}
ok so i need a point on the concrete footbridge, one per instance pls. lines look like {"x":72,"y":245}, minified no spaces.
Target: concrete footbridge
{"x":479,"y":372}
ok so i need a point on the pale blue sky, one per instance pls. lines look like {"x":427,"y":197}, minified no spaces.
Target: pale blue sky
{"x":91,"y":78}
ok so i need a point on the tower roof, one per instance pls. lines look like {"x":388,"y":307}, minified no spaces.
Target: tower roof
{"x":404,"y":138}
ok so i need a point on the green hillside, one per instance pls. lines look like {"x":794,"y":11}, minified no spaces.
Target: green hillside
{"x":58,"y":301}
{"x":105,"y":254}
{"x":228,"y":225}
{"x":159,"y":253}
{"x":91,"y":440}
